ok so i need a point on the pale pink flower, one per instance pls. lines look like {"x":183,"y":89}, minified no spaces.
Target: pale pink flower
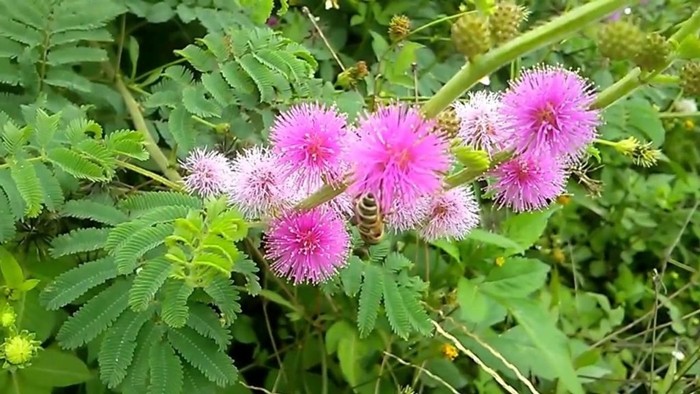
{"x":403,"y":217}
{"x":208,"y":172}
{"x":482,"y":123}
{"x":257,"y":185}
{"x":451,"y":214}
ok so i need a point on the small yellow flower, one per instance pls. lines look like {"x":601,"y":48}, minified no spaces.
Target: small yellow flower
{"x":564,"y":199}
{"x":689,"y":124}
{"x":558,"y":255}
{"x":500,"y":260}
{"x":20,"y":349}
{"x":450,"y":352}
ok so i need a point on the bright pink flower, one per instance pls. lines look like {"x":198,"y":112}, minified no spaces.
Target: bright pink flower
{"x":451,"y":214}
{"x":549,"y":110}
{"x":257,"y":186}
{"x":397,"y":156}
{"x":310,"y":142}
{"x":482,"y":124}
{"x":528,"y":182}
{"x":307,"y":246}
{"x":209,"y":172}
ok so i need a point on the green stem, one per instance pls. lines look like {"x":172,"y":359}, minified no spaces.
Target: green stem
{"x":679,"y":114}
{"x":605,"y":142}
{"x":554,"y":31}
{"x":140,"y":123}
{"x":173,"y":185}
{"x":690,"y":26}
{"x":469,"y":174}
{"x":618,"y":90}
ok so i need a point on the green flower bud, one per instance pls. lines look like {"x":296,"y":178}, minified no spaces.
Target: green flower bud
{"x":654,"y":53}
{"x":399,"y":27}
{"x":471,"y":34}
{"x":505,"y":21}
{"x":620,"y":40}
{"x":18,"y":350}
{"x":690,"y":78}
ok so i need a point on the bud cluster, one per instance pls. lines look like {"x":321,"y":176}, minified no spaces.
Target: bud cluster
{"x":475,"y":33}
{"x":690,"y":78}
{"x":18,"y":348}
{"x":624,"y":40}
{"x":349,"y":78}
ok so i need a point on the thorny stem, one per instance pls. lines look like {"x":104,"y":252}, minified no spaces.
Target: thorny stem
{"x":140,"y":124}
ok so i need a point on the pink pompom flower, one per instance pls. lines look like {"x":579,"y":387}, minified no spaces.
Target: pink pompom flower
{"x":549,"y":110}
{"x":257,"y":186}
{"x":403,"y":217}
{"x":310,"y":141}
{"x":307,"y":246}
{"x":397,"y":156}
{"x":528,"y":182}
{"x":482,"y":123}
{"x":451,"y":214}
{"x":208,"y":172}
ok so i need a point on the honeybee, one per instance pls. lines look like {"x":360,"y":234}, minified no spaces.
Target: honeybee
{"x":369,"y":219}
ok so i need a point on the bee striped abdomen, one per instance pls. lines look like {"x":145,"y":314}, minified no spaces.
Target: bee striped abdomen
{"x":369,"y":219}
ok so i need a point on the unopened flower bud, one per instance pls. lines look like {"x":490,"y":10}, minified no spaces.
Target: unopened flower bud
{"x":448,"y":122}
{"x":641,"y":154}
{"x":690,"y":78}
{"x":361,"y":70}
{"x":620,"y":40}
{"x":7,"y":316}
{"x":471,"y":34}
{"x":399,"y":27}
{"x":449,"y":351}
{"x":654,"y":52}
{"x":505,"y":21}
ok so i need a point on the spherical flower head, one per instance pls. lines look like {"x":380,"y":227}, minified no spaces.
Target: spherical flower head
{"x":310,"y":140}
{"x":549,"y":110}
{"x":482,"y":123}
{"x":397,"y":156}
{"x":258,"y":185}
{"x":18,"y":350}
{"x":403,"y":217}
{"x":307,"y":246}
{"x":8,"y":317}
{"x":208,"y":172}
{"x":451,"y":214}
{"x":528,"y":182}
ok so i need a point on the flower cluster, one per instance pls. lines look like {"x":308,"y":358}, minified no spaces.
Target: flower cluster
{"x":545,"y":118}
{"x":401,"y":158}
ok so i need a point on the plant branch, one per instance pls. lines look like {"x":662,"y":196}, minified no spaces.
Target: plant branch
{"x":149,"y":174}
{"x":554,"y":31}
{"x":140,"y":124}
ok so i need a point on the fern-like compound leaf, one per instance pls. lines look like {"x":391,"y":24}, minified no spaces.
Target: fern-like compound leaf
{"x":180,"y":127}
{"x":14,"y":198}
{"x":147,"y":283}
{"x":24,"y":175}
{"x":351,"y":276}
{"x":127,"y":143}
{"x":370,"y":299}
{"x":394,"y":306}
{"x":53,"y":195}
{"x":206,"y":322}
{"x":73,"y":283}
{"x":204,"y":355}
{"x":117,"y":348}
{"x":416,"y":312}
{"x":95,"y":316}
{"x":79,"y":241}
{"x":128,"y":253}
{"x":7,"y":220}
{"x":195,"y":382}
{"x":76,"y":165}
{"x":165,"y":370}
{"x":225,"y":297}
{"x":96,"y":211}
{"x":149,"y":200}
{"x":174,"y":308}
{"x":137,"y":375}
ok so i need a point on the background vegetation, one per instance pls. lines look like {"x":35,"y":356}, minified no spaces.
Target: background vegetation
{"x":101,"y":98}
